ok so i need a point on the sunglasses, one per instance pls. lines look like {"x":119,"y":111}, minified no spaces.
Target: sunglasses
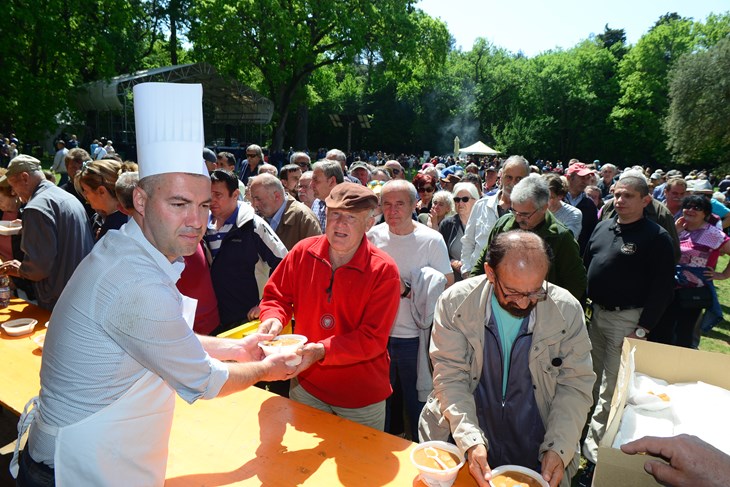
{"x":373,"y":184}
{"x":463,"y":199}
{"x":251,"y":155}
{"x":425,"y":190}
{"x":694,"y":207}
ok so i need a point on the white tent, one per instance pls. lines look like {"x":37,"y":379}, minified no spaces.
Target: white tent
{"x":479,"y":148}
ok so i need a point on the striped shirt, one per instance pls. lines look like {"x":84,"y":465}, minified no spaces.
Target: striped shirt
{"x":214,"y":237}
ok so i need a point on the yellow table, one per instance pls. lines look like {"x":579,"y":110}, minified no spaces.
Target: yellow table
{"x":249,"y":438}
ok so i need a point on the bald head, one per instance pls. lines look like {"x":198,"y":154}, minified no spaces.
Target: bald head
{"x":519,"y":251}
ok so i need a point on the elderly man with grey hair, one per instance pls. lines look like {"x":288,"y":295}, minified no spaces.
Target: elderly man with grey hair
{"x":302,"y":160}
{"x":339,"y":156}
{"x":529,"y":211}
{"x":607,"y":173}
{"x":56,"y":235}
{"x":422,"y":257}
{"x":250,"y":166}
{"x":326,"y":174}
{"x":291,"y":220}
{"x":488,"y":210}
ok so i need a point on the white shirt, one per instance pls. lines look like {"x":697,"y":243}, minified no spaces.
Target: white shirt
{"x":119,"y":316}
{"x":420,"y":248}
{"x":483,"y":216}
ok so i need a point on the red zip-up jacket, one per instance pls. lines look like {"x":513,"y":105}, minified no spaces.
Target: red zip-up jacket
{"x":350,"y":310}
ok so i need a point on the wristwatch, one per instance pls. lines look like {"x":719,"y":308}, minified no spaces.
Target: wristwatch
{"x":406,"y":291}
{"x":640,"y":333}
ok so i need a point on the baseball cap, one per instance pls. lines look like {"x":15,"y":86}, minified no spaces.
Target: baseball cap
{"x":579,"y":168}
{"x":19,"y":164}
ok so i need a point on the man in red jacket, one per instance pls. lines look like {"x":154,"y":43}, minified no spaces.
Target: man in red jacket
{"x":344,"y":293}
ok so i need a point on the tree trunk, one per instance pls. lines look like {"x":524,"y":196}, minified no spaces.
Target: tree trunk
{"x":302,"y":127}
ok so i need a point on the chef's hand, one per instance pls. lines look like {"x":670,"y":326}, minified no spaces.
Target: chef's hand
{"x":552,"y":468}
{"x":253,"y":313}
{"x":478,"y":466}
{"x":692,"y":462}
{"x":11,"y":268}
{"x":276,"y":367}
{"x":271,"y":325}
{"x":248,"y":347}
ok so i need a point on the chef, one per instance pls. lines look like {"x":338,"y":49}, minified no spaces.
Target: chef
{"x":120,"y":344}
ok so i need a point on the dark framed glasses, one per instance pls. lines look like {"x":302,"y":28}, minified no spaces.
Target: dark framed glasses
{"x":693,"y":207}
{"x":426,"y":189}
{"x":540,"y":295}
{"x":463,"y":199}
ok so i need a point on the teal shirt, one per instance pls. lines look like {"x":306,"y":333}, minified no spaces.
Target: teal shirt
{"x":509,"y":327}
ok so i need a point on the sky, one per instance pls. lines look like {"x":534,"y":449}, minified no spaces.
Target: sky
{"x":535,"y":26}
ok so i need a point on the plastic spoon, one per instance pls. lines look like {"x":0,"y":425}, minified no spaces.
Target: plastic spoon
{"x":433,"y":455}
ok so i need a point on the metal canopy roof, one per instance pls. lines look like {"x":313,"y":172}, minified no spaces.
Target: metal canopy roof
{"x":225,"y":101}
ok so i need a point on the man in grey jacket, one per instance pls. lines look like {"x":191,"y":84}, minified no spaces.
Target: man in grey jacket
{"x":512,"y":367}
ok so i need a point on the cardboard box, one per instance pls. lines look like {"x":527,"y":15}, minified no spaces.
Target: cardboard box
{"x":672,"y":364}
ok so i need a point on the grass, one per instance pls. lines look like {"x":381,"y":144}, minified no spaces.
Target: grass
{"x":718,"y":339}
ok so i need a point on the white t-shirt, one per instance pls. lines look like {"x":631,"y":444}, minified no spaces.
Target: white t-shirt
{"x":421,"y":248}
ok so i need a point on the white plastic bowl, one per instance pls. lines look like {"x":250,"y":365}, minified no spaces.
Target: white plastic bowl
{"x":438,"y":477}
{"x":21,"y":326}
{"x":10,"y":228}
{"x":519,"y":469}
{"x":40,"y":340}
{"x":274,"y":349}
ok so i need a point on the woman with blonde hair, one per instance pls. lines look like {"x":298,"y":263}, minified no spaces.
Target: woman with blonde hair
{"x":96,"y":182}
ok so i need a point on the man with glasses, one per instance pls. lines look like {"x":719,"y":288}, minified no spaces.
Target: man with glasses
{"x":529,"y":212}
{"x":250,"y":167}
{"x":305,"y":192}
{"x":395,"y":169}
{"x":512,"y":366}
{"x":302,"y":160}
{"x":488,"y":210}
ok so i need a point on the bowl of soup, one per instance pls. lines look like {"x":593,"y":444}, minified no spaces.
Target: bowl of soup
{"x":517,"y":476}
{"x":438,"y":463}
{"x":284,"y":344}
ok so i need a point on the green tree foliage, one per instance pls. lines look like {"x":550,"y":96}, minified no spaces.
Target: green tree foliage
{"x":643,"y":104}
{"x":51,"y":46}
{"x":277,"y":45}
{"x":697,"y":124}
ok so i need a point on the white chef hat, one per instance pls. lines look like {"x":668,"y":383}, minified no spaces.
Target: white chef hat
{"x":169,"y":126}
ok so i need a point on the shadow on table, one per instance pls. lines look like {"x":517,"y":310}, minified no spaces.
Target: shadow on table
{"x":275,"y":464}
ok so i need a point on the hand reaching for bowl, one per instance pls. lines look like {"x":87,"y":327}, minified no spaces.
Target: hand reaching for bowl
{"x":552,"y":468}
{"x":478,"y":466}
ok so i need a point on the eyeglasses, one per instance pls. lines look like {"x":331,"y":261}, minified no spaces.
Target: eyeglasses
{"x":302,"y":164}
{"x":463,"y":199}
{"x":425,"y":190}
{"x":694,"y":207}
{"x":375,"y":183}
{"x":540,"y":295}
{"x":521,"y":214}
{"x":251,"y":155}
{"x":395,"y":171}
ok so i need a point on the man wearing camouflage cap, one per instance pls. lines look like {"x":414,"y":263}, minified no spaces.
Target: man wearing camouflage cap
{"x":56,"y":234}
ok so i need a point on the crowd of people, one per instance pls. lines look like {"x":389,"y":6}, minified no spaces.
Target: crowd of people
{"x":449,"y":306}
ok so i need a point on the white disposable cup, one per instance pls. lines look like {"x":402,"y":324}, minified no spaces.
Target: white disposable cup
{"x":276,"y":349}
